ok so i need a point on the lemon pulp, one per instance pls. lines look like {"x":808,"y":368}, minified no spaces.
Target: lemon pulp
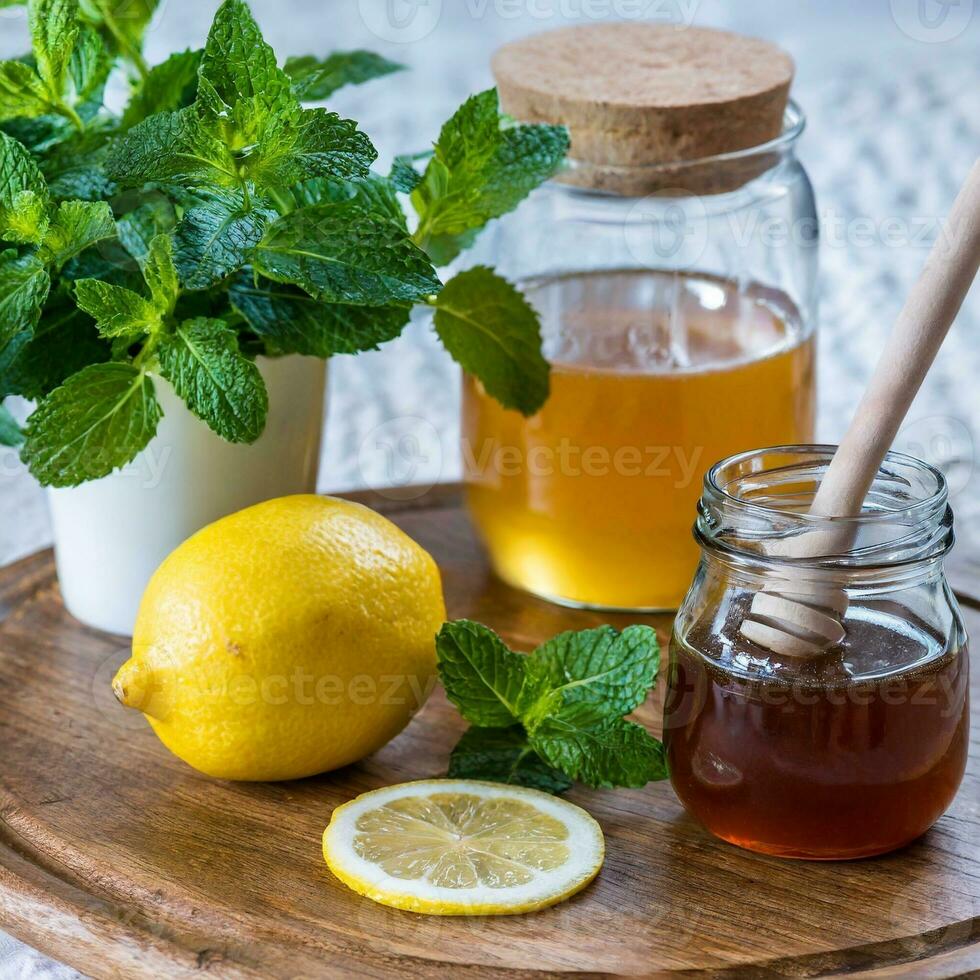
{"x":456,"y":847}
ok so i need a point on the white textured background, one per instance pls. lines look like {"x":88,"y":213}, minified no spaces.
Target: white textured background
{"x":892,"y":91}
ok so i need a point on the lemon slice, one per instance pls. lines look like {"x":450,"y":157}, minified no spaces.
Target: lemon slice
{"x":461,"y":847}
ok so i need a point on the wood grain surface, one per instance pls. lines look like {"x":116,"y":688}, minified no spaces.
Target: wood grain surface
{"x":118,"y":859}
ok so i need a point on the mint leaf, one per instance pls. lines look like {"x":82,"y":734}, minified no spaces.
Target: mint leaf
{"x":484,"y":679}
{"x":143,"y":224}
{"x":160,"y":274}
{"x":24,"y":196}
{"x":403,"y":175}
{"x":76,"y":226}
{"x":291,"y":322}
{"x":89,"y":68}
{"x":10,"y":434}
{"x":504,"y":755}
{"x":18,"y":172}
{"x":220,"y":386}
{"x":97,"y":421}
{"x":122,"y":24}
{"x":215,"y":237}
{"x":341,"y":253}
{"x":609,"y":670}
{"x":64,"y":341}
{"x":314,"y":79}
{"x":494,"y":333}
{"x":239,"y":65}
{"x":118,"y":312}
{"x":372,"y":192}
{"x":54,"y":29}
{"x":324,"y":145}
{"x":172,"y":147}
{"x":167,"y":88}
{"x":556,"y":715}
{"x":598,"y":751}
{"x":22,"y":93}
{"x":75,"y":168}
{"x":24,"y":287}
{"x":483,"y":167}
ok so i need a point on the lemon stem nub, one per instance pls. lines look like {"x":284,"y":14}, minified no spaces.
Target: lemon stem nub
{"x":133,"y":687}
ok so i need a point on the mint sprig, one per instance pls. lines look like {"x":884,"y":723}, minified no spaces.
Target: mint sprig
{"x":219,"y":218}
{"x":555,"y":716}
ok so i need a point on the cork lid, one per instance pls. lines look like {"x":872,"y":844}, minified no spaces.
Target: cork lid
{"x":639,"y":95}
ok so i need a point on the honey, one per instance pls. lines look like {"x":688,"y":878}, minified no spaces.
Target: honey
{"x":851,"y":756}
{"x":655,"y":376}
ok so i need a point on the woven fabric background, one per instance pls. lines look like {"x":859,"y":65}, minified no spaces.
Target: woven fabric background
{"x":892,"y":92}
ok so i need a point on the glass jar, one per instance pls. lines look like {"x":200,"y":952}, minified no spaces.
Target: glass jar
{"x":678,"y":315}
{"x":857,"y":751}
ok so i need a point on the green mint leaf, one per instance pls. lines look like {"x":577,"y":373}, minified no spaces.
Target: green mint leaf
{"x":598,"y":751}
{"x":290,"y":321}
{"x":403,"y":175}
{"x":240,"y":67}
{"x":22,"y":93}
{"x":10,"y":434}
{"x":341,"y":253}
{"x":64,"y":341}
{"x":172,"y":147}
{"x":610,"y":670}
{"x":314,"y":79}
{"x":494,"y":333}
{"x":97,"y":421}
{"x":220,"y":386}
{"x":139,"y":227}
{"x":24,"y":196}
{"x":504,"y":755}
{"x":89,"y":68}
{"x":122,"y":24}
{"x":24,"y":287}
{"x":486,"y":681}
{"x":75,"y":168}
{"x":160,"y":273}
{"x":215,"y":238}
{"x":26,"y":220}
{"x":76,"y":226}
{"x":325,"y":145}
{"x":294,"y":146}
{"x":118,"y":312}
{"x":18,"y":172}
{"x":373,"y":193}
{"x":54,"y":29}
{"x":168,"y":87}
{"x":483,"y":167}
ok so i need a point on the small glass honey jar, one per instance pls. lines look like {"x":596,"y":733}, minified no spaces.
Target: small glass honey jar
{"x":673,"y":265}
{"x":856,"y":751}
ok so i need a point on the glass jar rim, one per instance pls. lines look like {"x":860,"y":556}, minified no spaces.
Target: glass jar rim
{"x":912,"y":522}
{"x":794,"y":123}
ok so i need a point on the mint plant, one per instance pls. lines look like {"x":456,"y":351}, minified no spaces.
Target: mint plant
{"x":218,"y":218}
{"x":554,"y":717}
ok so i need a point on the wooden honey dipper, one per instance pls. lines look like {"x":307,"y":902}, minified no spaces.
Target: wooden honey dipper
{"x":803,"y":619}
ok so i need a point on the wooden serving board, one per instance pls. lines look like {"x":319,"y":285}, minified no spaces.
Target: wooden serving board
{"x":120,"y":860}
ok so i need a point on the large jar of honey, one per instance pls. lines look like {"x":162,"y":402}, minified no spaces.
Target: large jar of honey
{"x":850,"y":753}
{"x":674,"y":267}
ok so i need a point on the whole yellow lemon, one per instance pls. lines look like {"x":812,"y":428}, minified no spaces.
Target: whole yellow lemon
{"x":288,"y":639}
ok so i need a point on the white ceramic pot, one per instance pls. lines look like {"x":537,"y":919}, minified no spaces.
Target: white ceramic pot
{"x":110,"y":535}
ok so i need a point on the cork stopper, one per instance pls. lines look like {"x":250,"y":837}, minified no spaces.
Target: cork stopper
{"x":646,"y":102}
